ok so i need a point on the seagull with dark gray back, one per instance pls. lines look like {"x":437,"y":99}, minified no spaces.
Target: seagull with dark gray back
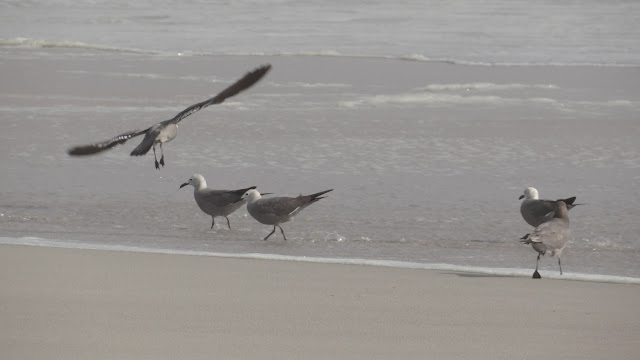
{"x":215,"y":202}
{"x":538,"y":211}
{"x":167,"y":130}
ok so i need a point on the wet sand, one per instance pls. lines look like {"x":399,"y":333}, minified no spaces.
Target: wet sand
{"x":66,"y":303}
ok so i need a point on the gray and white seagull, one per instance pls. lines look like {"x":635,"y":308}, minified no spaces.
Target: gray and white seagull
{"x":551,"y":237}
{"x":167,"y":130}
{"x":538,"y":211}
{"x":215,"y":202}
{"x":277,"y":210}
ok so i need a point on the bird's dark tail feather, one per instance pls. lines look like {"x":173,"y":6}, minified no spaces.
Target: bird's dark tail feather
{"x":315,"y":197}
{"x":569,"y":202}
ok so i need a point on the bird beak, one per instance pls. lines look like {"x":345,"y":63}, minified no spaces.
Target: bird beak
{"x":521,"y":197}
{"x":183,"y":185}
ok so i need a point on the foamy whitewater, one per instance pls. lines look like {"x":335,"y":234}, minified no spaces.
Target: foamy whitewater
{"x":428,"y":120}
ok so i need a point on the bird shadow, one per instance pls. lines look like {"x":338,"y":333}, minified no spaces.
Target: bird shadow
{"x":470,"y":275}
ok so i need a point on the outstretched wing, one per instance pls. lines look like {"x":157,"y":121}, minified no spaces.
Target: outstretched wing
{"x":246,"y":82}
{"x":105,"y":145}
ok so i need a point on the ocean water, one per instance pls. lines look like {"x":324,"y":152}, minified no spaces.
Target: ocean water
{"x":428,"y":120}
{"x":487,"y":32}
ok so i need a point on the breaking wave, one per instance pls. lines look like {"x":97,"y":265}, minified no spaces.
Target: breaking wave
{"x":25,"y":42}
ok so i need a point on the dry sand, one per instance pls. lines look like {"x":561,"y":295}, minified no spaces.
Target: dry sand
{"x":85,"y":304}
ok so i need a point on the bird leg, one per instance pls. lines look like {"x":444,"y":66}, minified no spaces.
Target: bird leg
{"x":161,"y":156}
{"x":274,"y":230}
{"x":228,"y":223}
{"x":155,"y":157}
{"x":560,"y":265}
{"x":536,"y":274}
{"x":282,"y":231}
{"x":213,"y":221}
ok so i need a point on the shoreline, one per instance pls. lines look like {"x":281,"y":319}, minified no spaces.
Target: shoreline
{"x":69,"y":303}
{"x":395,"y":264}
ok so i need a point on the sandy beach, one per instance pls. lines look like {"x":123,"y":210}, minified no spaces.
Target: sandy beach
{"x":68,"y":303}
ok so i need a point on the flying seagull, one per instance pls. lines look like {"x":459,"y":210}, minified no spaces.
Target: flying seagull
{"x":551,"y":237}
{"x":215,"y":202}
{"x":277,"y":210}
{"x":167,"y":130}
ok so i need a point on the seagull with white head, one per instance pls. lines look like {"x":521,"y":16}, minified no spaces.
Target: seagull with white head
{"x":215,"y":202}
{"x":536,"y":211}
{"x":277,"y":210}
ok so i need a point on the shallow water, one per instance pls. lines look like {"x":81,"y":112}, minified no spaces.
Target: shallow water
{"x":427,"y":159}
{"x":427,"y":120}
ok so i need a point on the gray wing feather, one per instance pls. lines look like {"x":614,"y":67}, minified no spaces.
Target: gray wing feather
{"x":221,"y":198}
{"x":105,"y":145}
{"x":148,"y":140}
{"x":553,"y":234}
{"x":287,"y":205}
{"x":216,"y":198}
{"x":278,"y":206}
{"x":244,"y":83}
{"x":536,"y":212}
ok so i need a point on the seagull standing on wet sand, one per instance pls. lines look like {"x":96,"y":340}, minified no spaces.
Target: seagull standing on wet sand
{"x":277,"y":210}
{"x":551,"y":237}
{"x":167,"y":130}
{"x":215,"y":202}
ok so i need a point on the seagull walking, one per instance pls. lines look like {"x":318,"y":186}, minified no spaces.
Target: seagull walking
{"x":277,"y":210}
{"x":215,"y":202}
{"x":167,"y":130}
{"x":551,"y":237}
